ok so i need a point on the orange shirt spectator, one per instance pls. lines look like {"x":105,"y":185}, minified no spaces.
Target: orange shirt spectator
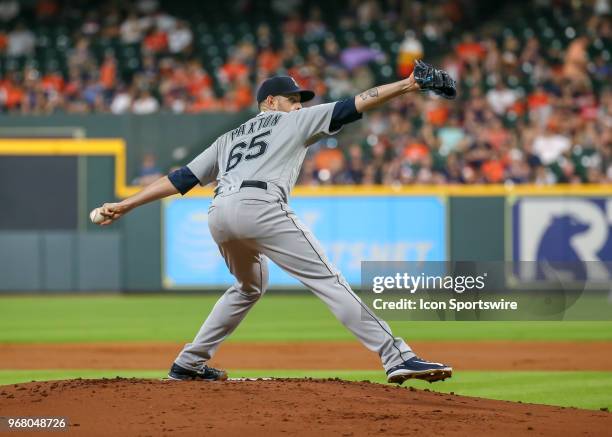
{"x":493,"y":171}
{"x":244,"y":96}
{"x":517,"y":107}
{"x":329,"y":159}
{"x":196,"y":82}
{"x":13,"y":94}
{"x":497,"y":136}
{"x":156,"y":41}
{"x":416,"y":152}
{"x":234,"y":70}
{"x":206,"y":101}
{"x":268,"y":61}
{"x":537,"y":99}
{"x":470,"y":50}
{"x":437,"y":115}
{"x":53,"y":81}
{"x":108,"y":73}
{"x":3,"y":41}
{"x":298,"y":74}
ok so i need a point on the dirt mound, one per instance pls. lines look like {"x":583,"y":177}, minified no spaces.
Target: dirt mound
{"x":140,"y":407}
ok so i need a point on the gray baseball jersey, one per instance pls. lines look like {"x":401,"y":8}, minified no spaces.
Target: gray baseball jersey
{"x":269,"y":147}
{"x":251,"y":225}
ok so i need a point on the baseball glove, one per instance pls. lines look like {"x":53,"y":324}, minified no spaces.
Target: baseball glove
{"x":432,"y":79}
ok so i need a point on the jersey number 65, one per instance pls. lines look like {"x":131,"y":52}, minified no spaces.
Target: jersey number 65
{"x":235,"y":157}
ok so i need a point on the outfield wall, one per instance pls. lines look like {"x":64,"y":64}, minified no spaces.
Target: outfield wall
{"x":166,"y":245}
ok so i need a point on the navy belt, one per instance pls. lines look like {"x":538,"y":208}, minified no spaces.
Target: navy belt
{"x":247,"y":184}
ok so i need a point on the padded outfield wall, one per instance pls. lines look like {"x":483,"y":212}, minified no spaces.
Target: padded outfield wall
{"x":48,"y":245}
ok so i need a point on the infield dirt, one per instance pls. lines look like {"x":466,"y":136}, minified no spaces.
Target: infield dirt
{"x":297,"y":407}
{"x":482,"y":355}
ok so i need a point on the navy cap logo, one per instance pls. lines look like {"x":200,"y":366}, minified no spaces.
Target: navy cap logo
{"x":281,"y":85}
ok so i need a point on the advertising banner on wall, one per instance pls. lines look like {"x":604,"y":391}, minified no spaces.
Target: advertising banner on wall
{"x":351,"y":230}
{"x":567,"y":236}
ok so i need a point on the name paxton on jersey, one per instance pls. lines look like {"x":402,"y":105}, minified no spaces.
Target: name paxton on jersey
{"x":270,"y":120}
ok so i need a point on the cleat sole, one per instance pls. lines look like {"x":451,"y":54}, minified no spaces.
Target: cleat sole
{"x":429,"y":376}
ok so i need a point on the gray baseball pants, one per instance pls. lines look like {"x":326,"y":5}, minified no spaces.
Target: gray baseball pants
{"x":251,"y":225}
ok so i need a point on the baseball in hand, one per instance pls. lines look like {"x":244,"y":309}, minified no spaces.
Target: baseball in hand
{"x":96,"y":216}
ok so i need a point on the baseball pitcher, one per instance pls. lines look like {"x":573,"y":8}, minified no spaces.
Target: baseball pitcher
{"x":255,"y":166}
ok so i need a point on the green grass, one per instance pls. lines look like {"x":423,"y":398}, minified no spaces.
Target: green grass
{"x":591,"y":390}
{"x":275,"y":318}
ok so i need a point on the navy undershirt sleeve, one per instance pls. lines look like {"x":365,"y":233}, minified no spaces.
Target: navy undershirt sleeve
{"x":183,"y":179}
{"x":344,"y":112}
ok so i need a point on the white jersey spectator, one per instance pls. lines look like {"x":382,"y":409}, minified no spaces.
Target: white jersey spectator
{"x":21,"y":42}
{"x":180,"y":38}
{"x":131,"y":30}
{"x":145,"y":104}
{"x":501,"y":98}
{"x":549,"y":147}
{"x":121,"y":103}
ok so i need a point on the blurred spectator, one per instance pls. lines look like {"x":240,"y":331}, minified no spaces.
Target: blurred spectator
{"x":21,"y":41}
{"x":149,"y":172}
{"x":145,"y":103}
{"x":315,"y":28}
{"x":91,"y":25}
{"x":3,"y":41}
{"x":155,"y":41}
{"x":131,"y":30}
{"x":501,"y":97}
{"x":410,"y":50}
{"x":122,"y":102}
{"x":367,"y":12}
{"x":80,"y":57}
{"x":9,"y":9}
{"x":108,"y":72}
{"x":234,"y":69}
{"x":205,"y":100}
{"x":470,"y":50}
{"x":356,"y":55}
{"x":180,"y":38}
{"x":549,"y":146}
{"x":576,"y":58}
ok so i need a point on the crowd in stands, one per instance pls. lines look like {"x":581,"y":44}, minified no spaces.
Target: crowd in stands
{"x":534,"y":106}
{"x":530,"y":111}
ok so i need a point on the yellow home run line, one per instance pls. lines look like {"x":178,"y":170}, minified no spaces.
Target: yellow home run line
{"x":116,"y":148}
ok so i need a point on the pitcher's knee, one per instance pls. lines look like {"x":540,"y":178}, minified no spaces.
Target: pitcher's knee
{"x":251,"y":291}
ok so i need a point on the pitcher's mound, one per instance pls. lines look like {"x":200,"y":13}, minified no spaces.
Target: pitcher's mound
{"x":290,"y":407}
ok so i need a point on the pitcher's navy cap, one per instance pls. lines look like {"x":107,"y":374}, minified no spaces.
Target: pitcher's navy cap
{"x":281,"y":85}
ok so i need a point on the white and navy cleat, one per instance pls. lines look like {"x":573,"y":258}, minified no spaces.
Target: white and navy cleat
{"x":418,"y":368}
{"x":205,"y":373}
